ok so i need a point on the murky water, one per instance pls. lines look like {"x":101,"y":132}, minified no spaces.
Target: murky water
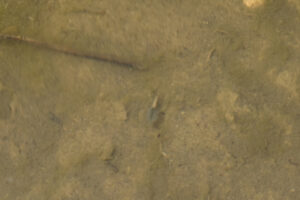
{"x":225,"y":78}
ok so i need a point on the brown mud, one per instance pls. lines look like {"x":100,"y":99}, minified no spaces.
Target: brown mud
{"x":210,"y":109}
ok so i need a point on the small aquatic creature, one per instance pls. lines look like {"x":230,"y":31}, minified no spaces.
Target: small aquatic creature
{"x":154,"y":115}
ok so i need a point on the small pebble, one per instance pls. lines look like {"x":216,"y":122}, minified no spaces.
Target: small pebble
{"x":253,"y":3}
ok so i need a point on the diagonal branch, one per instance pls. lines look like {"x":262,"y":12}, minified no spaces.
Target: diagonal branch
{"x":60,"y":49}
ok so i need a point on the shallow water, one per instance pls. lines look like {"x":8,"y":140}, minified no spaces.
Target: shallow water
{"x":226,"y":124}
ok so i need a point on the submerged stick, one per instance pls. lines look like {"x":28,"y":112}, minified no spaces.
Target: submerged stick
{"x":64,"y":50}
